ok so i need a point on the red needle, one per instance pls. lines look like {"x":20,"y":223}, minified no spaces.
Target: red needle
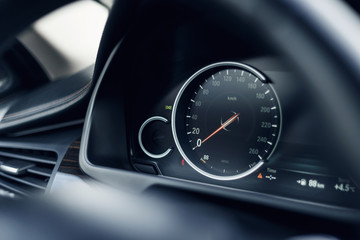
{"x":224,"y":125}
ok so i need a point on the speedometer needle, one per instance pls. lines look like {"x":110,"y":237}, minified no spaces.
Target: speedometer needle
{"x":224,"y":125}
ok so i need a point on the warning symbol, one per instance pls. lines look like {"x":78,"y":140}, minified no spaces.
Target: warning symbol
{"x":260,"y":176}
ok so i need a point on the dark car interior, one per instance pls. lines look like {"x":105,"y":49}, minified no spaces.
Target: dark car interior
{"x":153,"y":119}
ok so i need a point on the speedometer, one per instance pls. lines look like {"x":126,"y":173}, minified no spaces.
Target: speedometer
{"x":226,"y":120}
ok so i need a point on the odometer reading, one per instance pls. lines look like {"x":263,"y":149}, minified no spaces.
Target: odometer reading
{"x":226,"y":120}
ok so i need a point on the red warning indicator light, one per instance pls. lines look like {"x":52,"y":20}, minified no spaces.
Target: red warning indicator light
{"x":260,"y":176}
{"x":183,"y":162}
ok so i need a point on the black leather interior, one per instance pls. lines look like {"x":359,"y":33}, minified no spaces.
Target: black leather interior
{"x":32,"y":108}
{"x":46,"y":102}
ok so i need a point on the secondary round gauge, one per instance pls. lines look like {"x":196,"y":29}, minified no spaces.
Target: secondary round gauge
{"x":226,"y":120}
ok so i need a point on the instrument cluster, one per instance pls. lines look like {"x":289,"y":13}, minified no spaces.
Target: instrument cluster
{"x":230,"y":124}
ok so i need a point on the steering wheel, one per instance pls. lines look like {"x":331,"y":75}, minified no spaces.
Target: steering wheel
{"x":325,"y":33}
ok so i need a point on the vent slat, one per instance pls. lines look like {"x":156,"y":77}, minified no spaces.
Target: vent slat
{"x":13,"y":188}
{"x":28,"y":157}
{"x":30,"y":181}
{"x":34,"y":168}
{"x":46,"y":172}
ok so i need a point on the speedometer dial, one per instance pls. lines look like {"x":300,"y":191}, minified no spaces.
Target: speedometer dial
{"x":226,"y":120}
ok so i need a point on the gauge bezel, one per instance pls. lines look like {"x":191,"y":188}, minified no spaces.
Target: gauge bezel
{"x":174,"y":115}
{"x":148,"y":153}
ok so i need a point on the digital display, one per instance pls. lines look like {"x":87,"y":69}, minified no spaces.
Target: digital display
{"x":309,"y":186}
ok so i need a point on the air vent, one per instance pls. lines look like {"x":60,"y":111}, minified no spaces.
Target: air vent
{"x":24,"y":171}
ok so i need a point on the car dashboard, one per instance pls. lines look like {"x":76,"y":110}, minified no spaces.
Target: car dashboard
{"x":161,"y":74}
{"x":181,"y":116}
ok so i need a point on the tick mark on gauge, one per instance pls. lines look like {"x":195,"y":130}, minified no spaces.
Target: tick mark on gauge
{"x":256,"y":79}
{"x":188,"y":116}
{"x":275,"y":116}
{"x":212,"y":76}
{"x":262,"y":85}
{"x":273,"y":135}
{"x":274,"y":125}
{"x":267,"y":91}
{"x":195,"y":93}
{"x":266,"y":151}
{"x":188,"y":133}
{"x":192,"y":100}
{"x":242,"y":73}
{"x":249,"y":74}
{"x":227,"y":72}
{"x":270,"y":143}
{"x":273,"y":108}
{"x":271,"y":99}
{"x":260,"y":157}
{"x":201,"y":86}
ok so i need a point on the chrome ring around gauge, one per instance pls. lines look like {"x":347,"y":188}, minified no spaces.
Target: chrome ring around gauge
{"x":226,"y":120}
{"x":152,"y":155}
